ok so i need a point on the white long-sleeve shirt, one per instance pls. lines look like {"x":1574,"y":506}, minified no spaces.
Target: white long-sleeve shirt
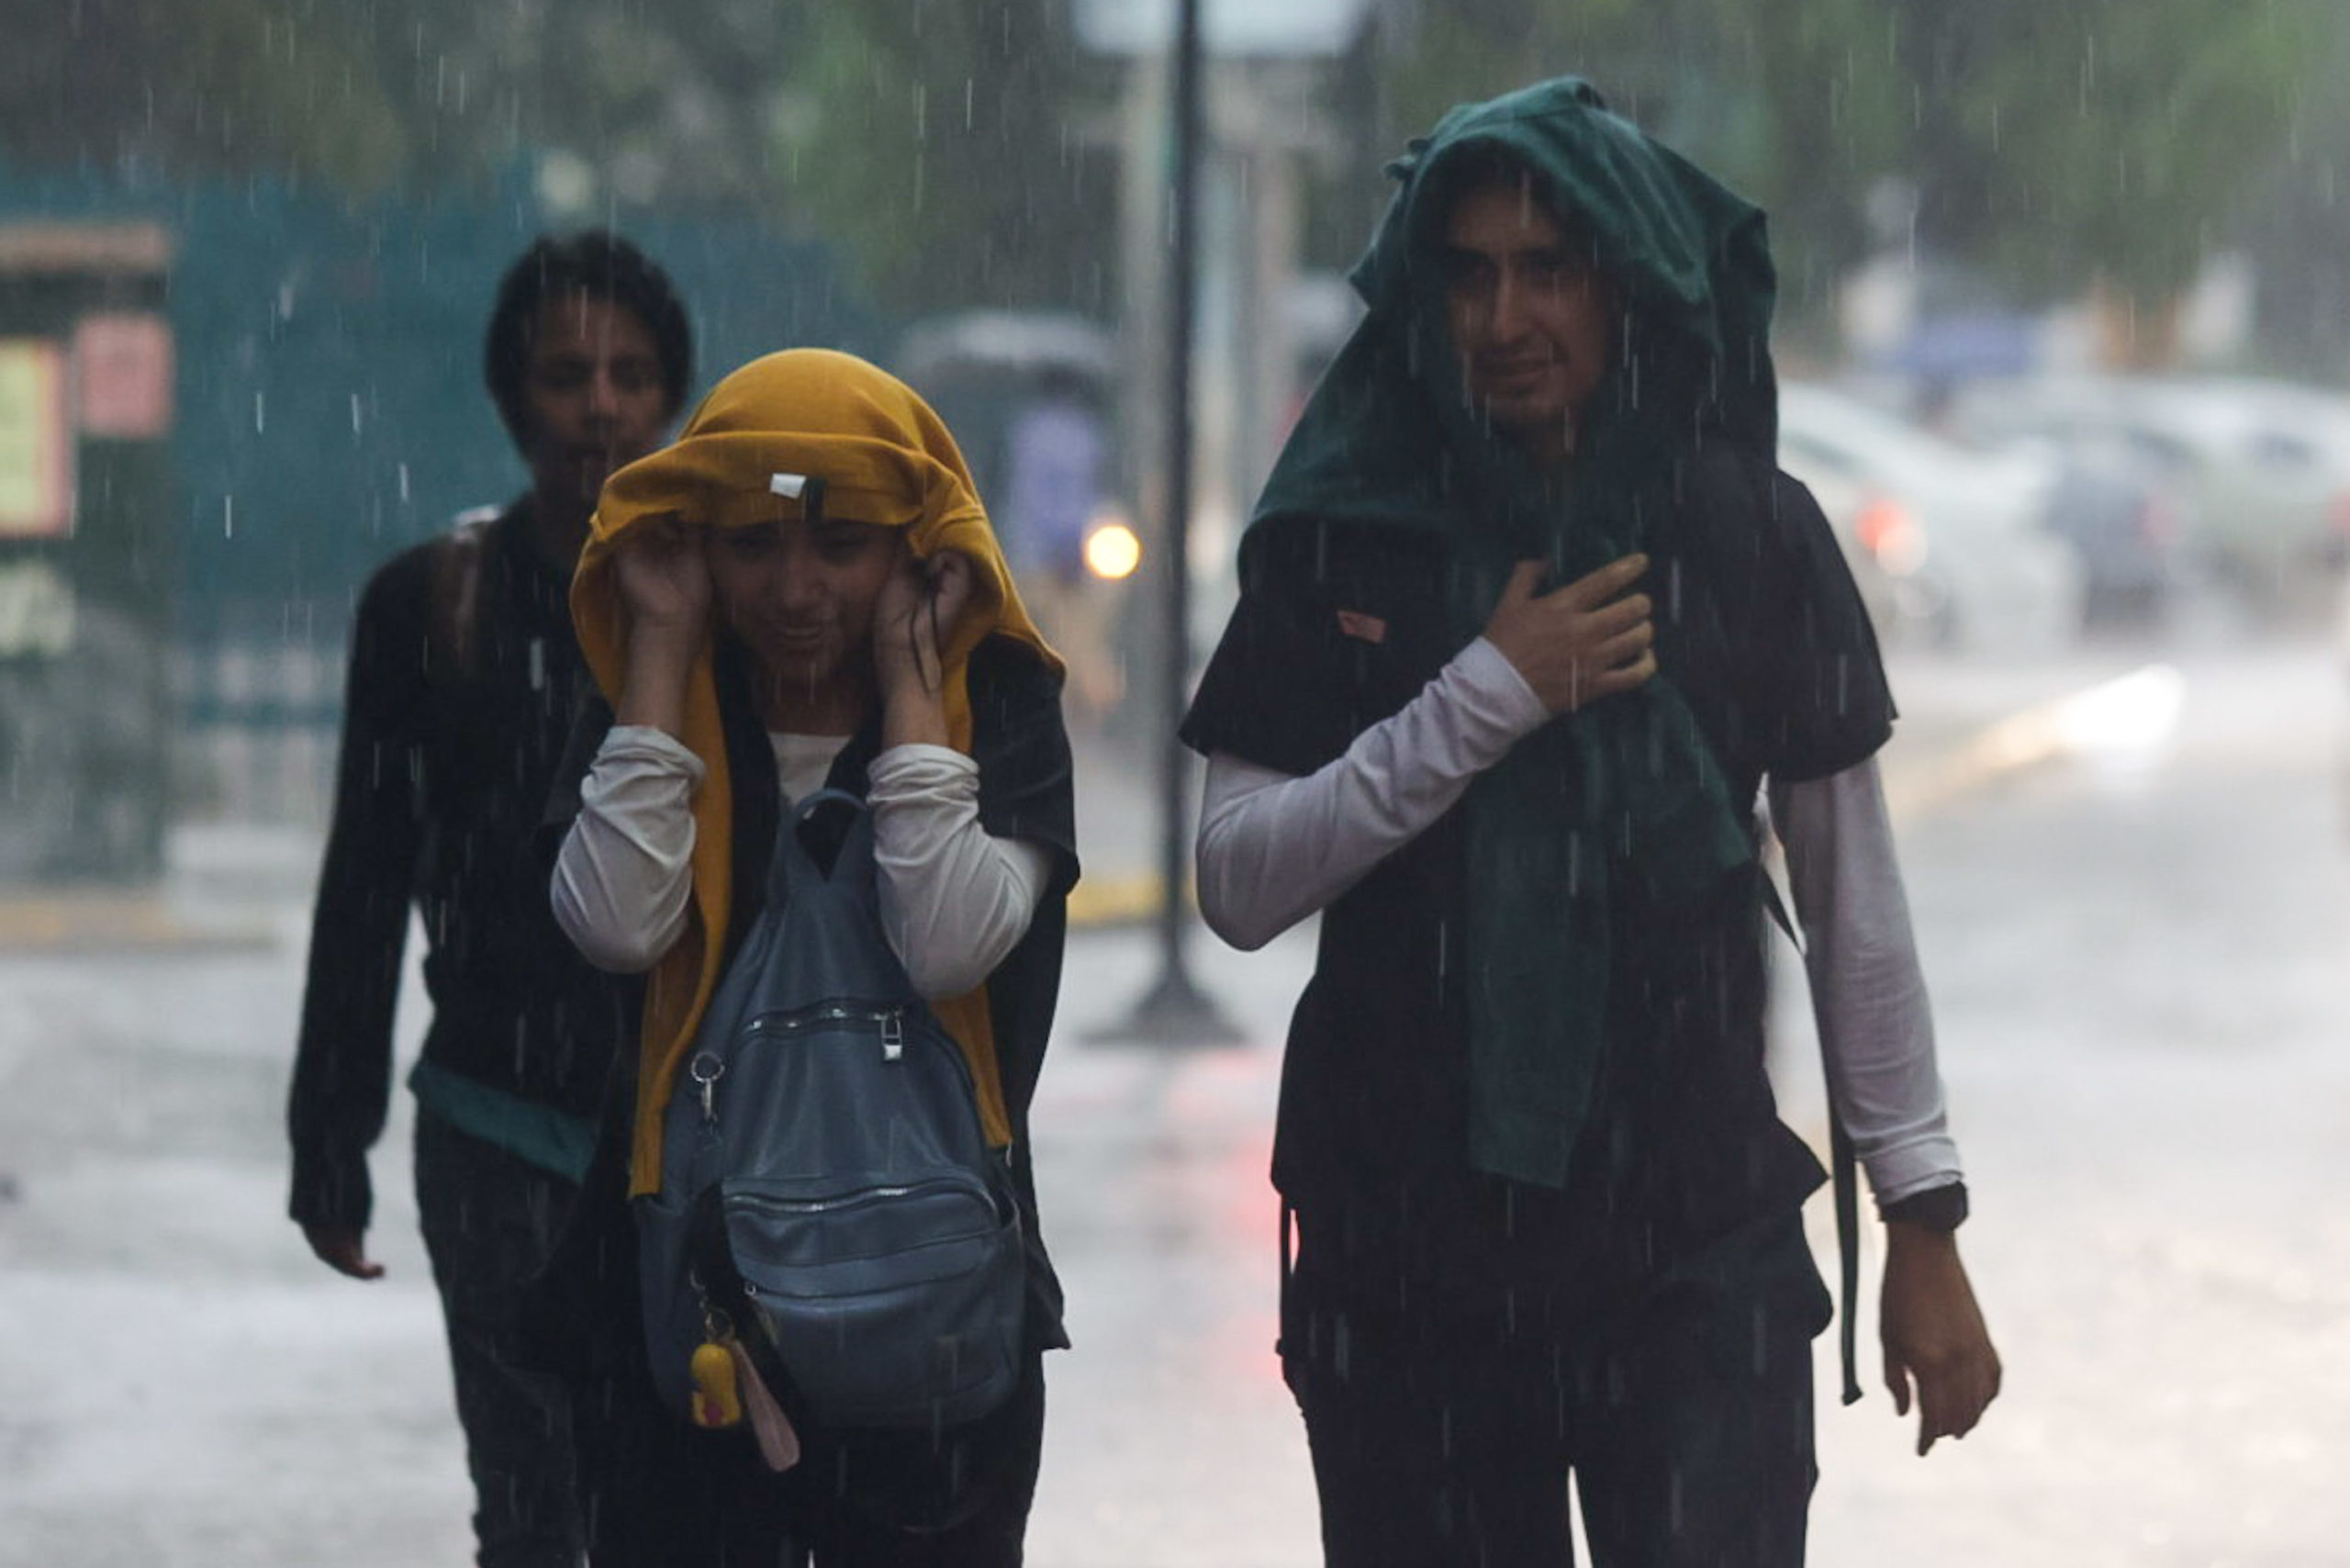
{"x":1273,"y":848}
{"x":953,"y":899}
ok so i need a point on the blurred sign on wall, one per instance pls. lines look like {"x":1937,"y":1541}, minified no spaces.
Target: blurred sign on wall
{"x":86,"y":530}
{"x":36,"y":442}
{"x":122,"y":362}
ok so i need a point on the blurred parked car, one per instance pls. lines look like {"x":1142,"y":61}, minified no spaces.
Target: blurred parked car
{"x":1955,"y":535}
{"x":2121,"y":513}
{"x":2260,"y":470}
{"x":1847,"y":501}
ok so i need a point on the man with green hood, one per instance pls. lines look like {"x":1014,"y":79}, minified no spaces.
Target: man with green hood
{"x":1528,"y":619}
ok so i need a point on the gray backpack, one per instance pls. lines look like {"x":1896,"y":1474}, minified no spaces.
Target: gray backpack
{"x":828,"y":1201}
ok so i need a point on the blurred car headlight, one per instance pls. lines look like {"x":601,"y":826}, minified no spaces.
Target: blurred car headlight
{"x":1892,"y":535}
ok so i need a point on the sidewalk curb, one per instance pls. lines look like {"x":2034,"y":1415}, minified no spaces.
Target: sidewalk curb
{"x":2124,"y":707}
{"x":82,"y":921}
{"x":1118,"y":900}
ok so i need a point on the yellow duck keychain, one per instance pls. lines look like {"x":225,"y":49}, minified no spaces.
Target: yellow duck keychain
{"x":727,"y":1386}
{"x":718,"y":1399}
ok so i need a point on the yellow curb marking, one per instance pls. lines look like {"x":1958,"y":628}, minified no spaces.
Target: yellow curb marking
{"x":2131,"y":711}
{"x":76,"y":921}
{"x":1124,"y":900}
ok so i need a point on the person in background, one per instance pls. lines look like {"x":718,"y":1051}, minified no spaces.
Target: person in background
{"x":1528,"y":617}
{"x":463,"y":677}
{"x":1056,"y":458}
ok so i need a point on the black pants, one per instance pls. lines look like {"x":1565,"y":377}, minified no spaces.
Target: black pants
{"x":661,"y":1494}
{"x":490,"y":1219}
{"x":1444,"y":1433}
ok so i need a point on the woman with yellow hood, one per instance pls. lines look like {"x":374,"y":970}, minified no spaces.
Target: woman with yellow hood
{"x":804,"y":592}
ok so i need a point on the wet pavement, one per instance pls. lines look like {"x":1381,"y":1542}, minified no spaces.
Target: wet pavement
{"x":2135,"y":935}
{"x":2138,"y":962}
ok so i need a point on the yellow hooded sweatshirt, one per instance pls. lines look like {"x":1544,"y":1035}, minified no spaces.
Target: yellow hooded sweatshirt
{"x":883,"y":457}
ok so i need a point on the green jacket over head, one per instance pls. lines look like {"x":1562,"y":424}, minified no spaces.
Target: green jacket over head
{"x":1621,"y":804}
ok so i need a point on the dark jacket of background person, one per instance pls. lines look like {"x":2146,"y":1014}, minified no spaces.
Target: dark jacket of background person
{"x":463,"y":678}
{"x":450,"y":746}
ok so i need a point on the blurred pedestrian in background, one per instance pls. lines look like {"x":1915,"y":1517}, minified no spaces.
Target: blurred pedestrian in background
{"x":1057,"y":456}
{"x":462,"y":680}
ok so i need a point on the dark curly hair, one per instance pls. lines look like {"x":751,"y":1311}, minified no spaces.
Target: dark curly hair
{"x":601,"y":266}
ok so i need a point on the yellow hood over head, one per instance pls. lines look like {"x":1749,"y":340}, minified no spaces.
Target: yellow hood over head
{"x":746,"y":457}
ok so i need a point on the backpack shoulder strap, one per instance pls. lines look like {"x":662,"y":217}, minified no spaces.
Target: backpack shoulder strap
{"x":1843,"y":1174}
{"x":454,"y":622}
{"x":1844,"y":1164}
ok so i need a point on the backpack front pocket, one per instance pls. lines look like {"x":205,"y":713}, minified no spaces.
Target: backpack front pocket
{"x":889,"y":1304}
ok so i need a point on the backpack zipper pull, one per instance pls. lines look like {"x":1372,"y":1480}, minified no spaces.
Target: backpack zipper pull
{"x":706,"y":1070}
{"x":777,"y":1439}
{"x":893,"y":1036}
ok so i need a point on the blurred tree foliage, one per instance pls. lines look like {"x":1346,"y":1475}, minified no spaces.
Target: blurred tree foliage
{"x":132,"y":87}
{"x":2052,"y":143}
{"x":929,"y":139}
{"x":2299,"y":230}
{"x":2066,"y":143}
{"x":942,"y":141}
{"x":1792,"y":102}
{"x":369,"y":94}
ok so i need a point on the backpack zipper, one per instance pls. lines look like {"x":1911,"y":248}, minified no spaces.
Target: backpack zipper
{"x":858,"y":1196}
{"x":809,"y":1208}
{"x":830,"y":1015}
{"x":708,"y":1066}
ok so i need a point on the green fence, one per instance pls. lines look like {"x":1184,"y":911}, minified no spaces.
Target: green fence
{"x":329,"y":409}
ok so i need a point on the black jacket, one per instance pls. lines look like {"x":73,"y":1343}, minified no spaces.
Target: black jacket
{"x":1758,"y":625}
{"x":462,"y":687}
